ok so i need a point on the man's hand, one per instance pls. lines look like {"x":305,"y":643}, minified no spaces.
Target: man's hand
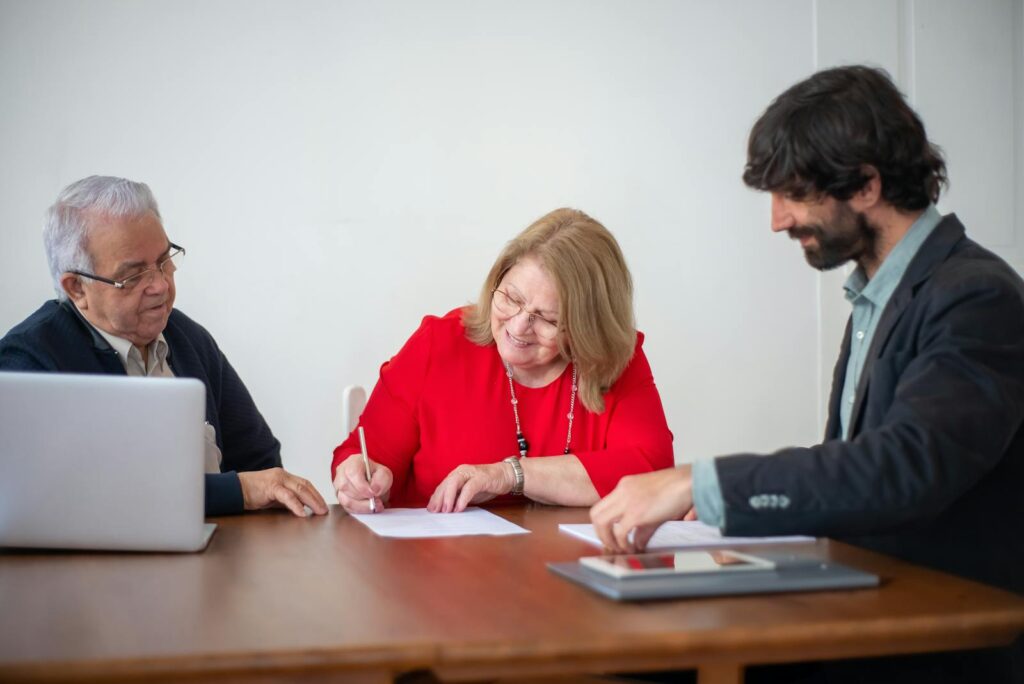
{"x":626,"y":519}
{"x":276,"y":487}
{"x":354,"y":492}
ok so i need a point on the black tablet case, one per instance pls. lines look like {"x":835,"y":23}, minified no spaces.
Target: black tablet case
{"x":792,"y":572}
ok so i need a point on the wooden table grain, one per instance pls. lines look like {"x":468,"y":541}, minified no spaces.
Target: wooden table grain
{"x":277,"y":598}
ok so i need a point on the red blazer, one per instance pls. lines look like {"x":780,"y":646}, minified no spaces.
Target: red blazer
{"x":443,"y":401}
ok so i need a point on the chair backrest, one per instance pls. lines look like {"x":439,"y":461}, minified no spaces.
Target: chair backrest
{"x":353,"y":399}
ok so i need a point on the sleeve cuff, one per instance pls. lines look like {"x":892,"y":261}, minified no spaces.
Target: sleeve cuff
{"x":223,"y":494}
{"x":707,"y":494}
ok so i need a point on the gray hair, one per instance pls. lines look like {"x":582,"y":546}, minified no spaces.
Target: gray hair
{"x":66,"y":229}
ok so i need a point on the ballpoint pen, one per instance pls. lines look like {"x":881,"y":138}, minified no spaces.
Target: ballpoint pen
{"x":366,"y":464}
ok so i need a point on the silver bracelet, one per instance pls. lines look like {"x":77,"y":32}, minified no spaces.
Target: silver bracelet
{"x":517,"y":472}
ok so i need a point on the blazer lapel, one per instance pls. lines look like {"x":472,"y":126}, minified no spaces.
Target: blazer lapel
{"x":933,"y":252}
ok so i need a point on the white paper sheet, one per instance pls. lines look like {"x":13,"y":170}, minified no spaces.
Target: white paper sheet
{"x":417,"y":523}
{"x":682,"y":534}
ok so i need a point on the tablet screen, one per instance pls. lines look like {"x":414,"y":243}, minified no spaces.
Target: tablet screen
{"x":675,"y":563}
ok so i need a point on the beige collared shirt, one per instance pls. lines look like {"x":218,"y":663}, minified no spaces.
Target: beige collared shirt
{"x":131,"y":356}
{"x":156,"y":366}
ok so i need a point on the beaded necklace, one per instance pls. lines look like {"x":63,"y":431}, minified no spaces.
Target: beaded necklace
{"x":520,"y":438}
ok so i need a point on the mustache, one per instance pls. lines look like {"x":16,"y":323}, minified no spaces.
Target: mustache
{"x":797,"y":232}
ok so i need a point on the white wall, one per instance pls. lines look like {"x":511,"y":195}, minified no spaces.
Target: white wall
{"x":339,"y":169}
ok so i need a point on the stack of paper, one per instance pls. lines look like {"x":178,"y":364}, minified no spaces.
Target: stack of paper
{"x":415,"y":523}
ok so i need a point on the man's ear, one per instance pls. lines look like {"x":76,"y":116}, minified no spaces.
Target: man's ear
{"x":72,"y":285}
{"x":870,"y":195}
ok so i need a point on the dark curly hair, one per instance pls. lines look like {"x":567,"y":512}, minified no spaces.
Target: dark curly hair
{"x":816,"y":138}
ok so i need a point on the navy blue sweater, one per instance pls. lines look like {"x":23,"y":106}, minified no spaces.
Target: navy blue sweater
{"x":57,"y":339}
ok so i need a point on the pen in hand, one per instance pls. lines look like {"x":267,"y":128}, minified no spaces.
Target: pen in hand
{"x":366,"y":464}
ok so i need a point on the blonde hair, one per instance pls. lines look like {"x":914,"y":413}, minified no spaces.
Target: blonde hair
{"x":595,"y":291}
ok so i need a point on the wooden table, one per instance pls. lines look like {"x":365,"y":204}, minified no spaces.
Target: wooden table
{"x":276,"y":598}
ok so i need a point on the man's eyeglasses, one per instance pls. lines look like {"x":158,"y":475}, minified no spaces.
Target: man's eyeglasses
{"x":166,"y":267}
{"x":505,"y":305}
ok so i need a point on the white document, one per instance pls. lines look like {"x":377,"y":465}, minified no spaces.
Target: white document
{"x":683,"y":534}
{"x":418,"y":523}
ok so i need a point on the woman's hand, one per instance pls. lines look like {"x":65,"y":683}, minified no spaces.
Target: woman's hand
{"x":471,"y":484}
{"x":354,"y":492}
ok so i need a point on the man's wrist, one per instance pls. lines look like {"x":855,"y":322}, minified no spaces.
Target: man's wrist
{"x":245,"y":484}
{"x":707,"y":493}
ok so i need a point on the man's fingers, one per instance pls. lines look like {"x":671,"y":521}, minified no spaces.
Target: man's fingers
{"x":622,"y":533}
{"x":642,"y":535}
{"x":603,"y":516}
{"x":309,"y":496}
{"x":287,"y":497}
{"x":605,"y":535}
{"x":605,"y":531}
{"x":602,"y":528}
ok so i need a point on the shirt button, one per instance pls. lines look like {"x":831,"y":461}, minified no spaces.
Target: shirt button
{"x":850,"y":400}
{"x":860,"y":334}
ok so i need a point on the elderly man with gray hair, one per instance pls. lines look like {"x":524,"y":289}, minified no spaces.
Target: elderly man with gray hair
{"x":113,"y":269}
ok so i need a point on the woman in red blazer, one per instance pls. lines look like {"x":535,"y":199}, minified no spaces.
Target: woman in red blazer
{"x":540,"y":389}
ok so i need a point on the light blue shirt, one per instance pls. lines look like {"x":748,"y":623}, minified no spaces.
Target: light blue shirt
{"x":869,"y":298}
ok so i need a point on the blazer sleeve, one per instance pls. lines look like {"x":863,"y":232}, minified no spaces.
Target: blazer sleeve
{"x":940,"y":413}
{"x":638,"y":439}
{"x":391,"y":417}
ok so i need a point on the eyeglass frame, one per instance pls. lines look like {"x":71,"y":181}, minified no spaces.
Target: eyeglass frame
{"x":531,"y":315}
{"x":120,"y":284}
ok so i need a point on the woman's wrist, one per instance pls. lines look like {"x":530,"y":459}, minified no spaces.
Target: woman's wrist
{"x":518,"y":477}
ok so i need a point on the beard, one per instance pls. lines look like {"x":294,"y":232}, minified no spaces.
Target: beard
{"x":847,"y":235}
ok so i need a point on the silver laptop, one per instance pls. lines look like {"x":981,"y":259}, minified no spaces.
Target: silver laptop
{"x":102,"y":462}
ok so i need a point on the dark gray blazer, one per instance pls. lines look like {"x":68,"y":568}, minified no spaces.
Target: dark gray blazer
{"x":933,"y":471}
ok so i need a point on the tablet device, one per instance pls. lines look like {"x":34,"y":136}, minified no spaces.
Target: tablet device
{"x":678,"y":563}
